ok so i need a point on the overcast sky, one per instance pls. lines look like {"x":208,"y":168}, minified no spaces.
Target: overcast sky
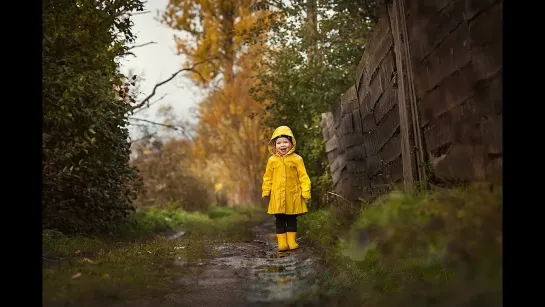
{"x":157,"y":62}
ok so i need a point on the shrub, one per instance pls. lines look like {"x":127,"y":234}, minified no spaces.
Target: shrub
{"x":88,"y":185}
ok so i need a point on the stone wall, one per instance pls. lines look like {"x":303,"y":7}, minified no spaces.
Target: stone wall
{"x":426,"y":104}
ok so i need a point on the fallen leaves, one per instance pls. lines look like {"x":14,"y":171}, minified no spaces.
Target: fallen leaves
{"x":87,"y":260}
{"x":283,"y":279}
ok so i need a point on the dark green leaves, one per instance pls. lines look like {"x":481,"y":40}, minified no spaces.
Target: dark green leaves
{"x":86,"y":174}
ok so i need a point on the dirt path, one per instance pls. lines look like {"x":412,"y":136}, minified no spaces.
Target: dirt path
{"x":250,"y":273}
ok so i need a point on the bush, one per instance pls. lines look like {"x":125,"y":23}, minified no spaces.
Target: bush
{"x":156,"y":220}
{"x":88,"y":185}
{"x":215,"y":212}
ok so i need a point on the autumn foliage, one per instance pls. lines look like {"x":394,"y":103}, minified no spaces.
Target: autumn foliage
{"x":230,"y":138}
{"x":266,"y":64}
{"x":171,"y":179}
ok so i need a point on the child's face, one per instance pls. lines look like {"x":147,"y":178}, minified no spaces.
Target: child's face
{"x":283,"y":145}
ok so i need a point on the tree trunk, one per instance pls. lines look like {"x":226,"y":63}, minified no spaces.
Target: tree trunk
{"x":312,"y":31}
{"x":228,"y":25}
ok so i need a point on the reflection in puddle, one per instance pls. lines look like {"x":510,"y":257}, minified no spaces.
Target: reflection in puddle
{"x":281,"y":280}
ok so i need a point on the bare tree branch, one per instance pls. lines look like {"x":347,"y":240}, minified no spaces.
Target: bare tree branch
{"x":186,"y":132}
{"x":191,"y":69}
{"x":142,"y":45}
{"x":147,"y":136}
{"x":140,"y":13}
{"x":128,"y":53}
{"x":174,"y":127}
{"x":139,"y":125}
{"x":149,"y":104}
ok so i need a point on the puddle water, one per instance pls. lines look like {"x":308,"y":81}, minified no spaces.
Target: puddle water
{"x":280,"y":280}
{"x":248,"y":273}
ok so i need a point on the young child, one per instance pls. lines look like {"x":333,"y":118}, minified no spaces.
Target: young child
{"x":287,"y":184}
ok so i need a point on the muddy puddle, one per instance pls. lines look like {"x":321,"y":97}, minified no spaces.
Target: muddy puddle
{"x":250,"y":273}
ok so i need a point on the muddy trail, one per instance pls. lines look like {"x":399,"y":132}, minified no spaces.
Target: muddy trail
{"x":250,"y":273}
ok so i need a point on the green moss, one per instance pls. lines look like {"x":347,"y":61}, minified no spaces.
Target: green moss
{"x":415,"y":250}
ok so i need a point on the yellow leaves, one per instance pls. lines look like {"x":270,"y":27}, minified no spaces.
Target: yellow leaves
{"x":212,"y":29}
{"x":227,"y":134}
{"x":84,"y":260}
{"x":232,"y":108}
{"x":230,"y":144}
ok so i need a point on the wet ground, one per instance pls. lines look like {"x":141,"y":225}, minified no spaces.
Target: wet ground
{"x":250,"y":273}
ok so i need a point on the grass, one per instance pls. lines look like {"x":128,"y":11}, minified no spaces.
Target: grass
{"x":136,"y":264}
{"x":428,"y":248}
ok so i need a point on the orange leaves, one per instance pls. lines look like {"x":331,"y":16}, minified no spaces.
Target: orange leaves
{"x":231,"y":138}
{"x":213,"y":30}
{"x":84,"y":260}
{"x":230,"y":145}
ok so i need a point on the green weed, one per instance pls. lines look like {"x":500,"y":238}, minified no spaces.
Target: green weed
{"x":217,"y":212}
{"x":97,"y":275}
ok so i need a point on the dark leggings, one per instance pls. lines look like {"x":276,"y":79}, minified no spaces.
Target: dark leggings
{"x":286,"y":223}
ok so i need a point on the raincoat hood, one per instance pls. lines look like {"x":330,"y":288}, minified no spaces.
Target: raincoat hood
{"x":282,"y":130}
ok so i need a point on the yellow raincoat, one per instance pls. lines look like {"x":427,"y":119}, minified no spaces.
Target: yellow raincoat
{"x":286,"y":179}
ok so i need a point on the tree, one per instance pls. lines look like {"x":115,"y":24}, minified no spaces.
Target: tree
{"x":229,"y":142}
{"x":311,"y":62}
{"x":212,"y":32}
{"x":170,"y":176}
{"x":230,"y":135}
{"x":88,"y":184}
